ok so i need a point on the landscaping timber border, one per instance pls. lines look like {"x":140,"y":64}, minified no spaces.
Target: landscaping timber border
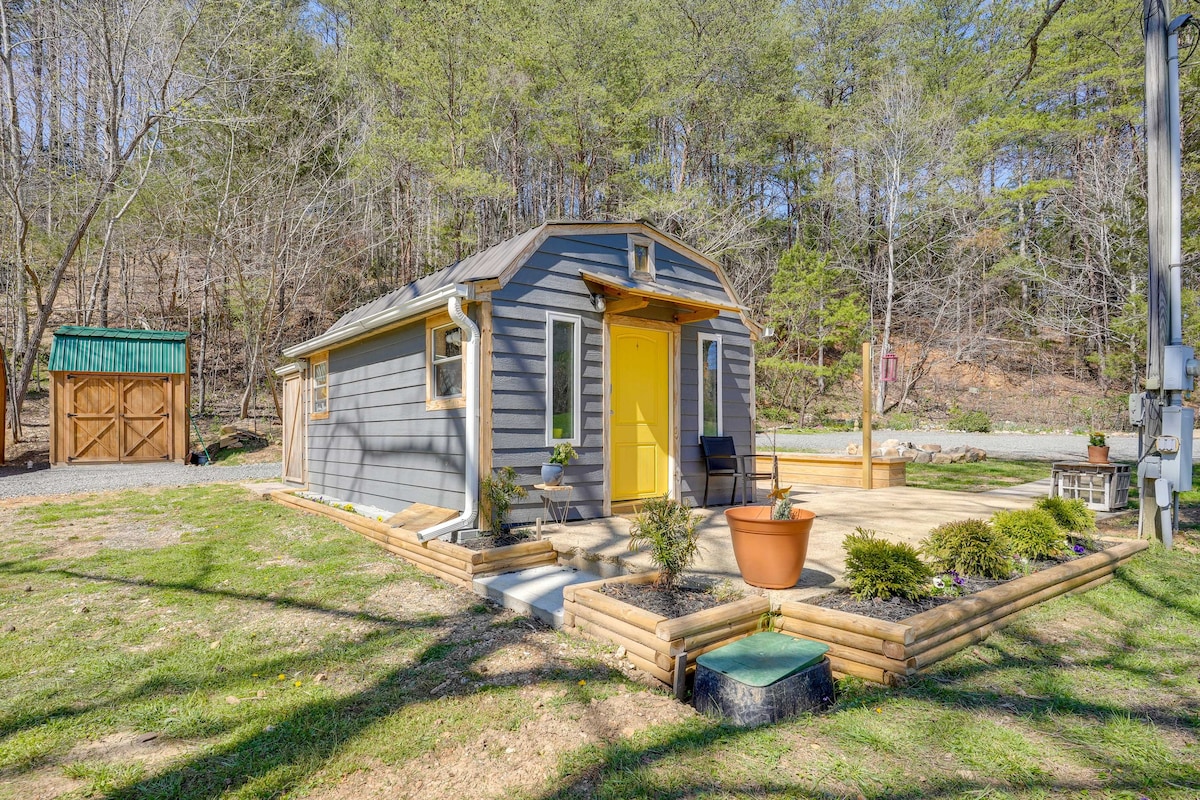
{"x":823,"y":469}
{"x":652,"y":642}
{"x":451,"y":562}
{"x":889,"y":652}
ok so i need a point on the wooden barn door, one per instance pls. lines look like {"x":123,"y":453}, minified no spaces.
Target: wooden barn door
{"x":145,"y":418}
{"x":293,"y":429}
{"x":92,"y":418}
{"x":118,"y":418}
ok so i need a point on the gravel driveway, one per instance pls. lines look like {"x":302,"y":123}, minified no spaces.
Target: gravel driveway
{"x":1031,"y":446}
{"x":17,"y":482}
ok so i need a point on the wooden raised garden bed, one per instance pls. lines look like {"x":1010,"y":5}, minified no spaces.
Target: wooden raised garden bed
{"x":823,"y":469}
{"x":652,"y":642}
{"x":451,"y":562}
{"x":889,"y":652}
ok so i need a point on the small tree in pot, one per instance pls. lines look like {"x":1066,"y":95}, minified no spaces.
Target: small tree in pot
{"x":1097,"y":448}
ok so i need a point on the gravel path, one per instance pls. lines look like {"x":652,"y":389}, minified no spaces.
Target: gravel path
{"x":16,"y":482}
{"x":1031,"y":446}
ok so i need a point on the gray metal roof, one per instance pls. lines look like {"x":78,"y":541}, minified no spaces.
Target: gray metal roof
{"x":481,"y":266}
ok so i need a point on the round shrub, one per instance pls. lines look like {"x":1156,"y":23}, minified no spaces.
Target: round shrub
{"x":1033,"y":532}
{"x":879,"y":568}
{"x":1072,"y":515}
{"x":969,"y":547}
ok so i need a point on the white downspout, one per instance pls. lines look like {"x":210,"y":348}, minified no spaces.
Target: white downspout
{"x":471,"y":392}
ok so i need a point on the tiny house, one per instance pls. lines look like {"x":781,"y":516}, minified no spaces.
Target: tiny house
{"x":118,"y":396}
{"x":612,"y":336}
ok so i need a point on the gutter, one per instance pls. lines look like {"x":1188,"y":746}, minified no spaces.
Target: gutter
{"x":359,"y":327}
{"x":471,"y":391}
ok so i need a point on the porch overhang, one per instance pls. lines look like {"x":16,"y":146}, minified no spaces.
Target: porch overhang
{"x":625,"y":295}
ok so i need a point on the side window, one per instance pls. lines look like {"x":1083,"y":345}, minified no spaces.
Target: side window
{"x":710,"y":385}
{"x":319,"y":386}
{"x":563,"y":359}
{"x":445,"y":366}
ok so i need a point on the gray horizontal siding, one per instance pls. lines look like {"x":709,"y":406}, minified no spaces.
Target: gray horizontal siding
{"x":550,"y":282}
{"x":380,"y":446}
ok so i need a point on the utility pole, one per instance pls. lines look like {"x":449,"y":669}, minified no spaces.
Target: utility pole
{"x":1164,"y":425}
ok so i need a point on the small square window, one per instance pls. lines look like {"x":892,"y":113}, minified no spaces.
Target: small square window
{"x":447,"y":362}
{"x":641,"y":257}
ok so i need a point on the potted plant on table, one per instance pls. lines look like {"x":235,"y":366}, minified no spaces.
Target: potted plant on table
{"x":770,"y":543}
{"x":1097,"y":449}
{"x":560,"y":456}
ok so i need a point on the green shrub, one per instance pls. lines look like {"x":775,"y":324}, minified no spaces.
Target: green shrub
{"x":1072,"y":515}
{"x":1032,"y":531}
{"x":496,"y":498}
{"x":969,"y":547}
{"x":668,"y":528}
{"x":970,"y":421}
{"x":902,"y":421}
{"x":883,"y":569}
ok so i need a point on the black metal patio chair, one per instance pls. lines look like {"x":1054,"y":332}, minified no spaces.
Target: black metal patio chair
{"x":721,"y":459}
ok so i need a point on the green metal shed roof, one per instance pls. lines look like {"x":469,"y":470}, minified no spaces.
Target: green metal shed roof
{"x":80,"y":349}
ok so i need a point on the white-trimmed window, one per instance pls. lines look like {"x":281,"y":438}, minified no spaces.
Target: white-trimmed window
{"x":445,"y":378}
{"x":563,"y":368}
{"x":641,"y":257}
{"x":709,"y":379}
{"x":319,"y":386}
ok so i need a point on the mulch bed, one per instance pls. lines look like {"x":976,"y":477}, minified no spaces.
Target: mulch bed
{"x":681,"y":602}
{"x":898,"y":609}
{"x":488,"y":541}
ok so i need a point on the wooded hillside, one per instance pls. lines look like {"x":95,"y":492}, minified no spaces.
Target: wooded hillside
{"x":964,"y":178}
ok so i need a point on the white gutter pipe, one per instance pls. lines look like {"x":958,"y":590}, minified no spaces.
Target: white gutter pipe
{"x":368,"y":324}
{"x":471,"y":392}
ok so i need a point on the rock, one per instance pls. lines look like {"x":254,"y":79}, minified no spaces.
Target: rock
{"x":621,"y":651}
{"x":957,"y":450}
{"x":233,"y":701}
{"x":10,"y":629}
{"x":980,"y":452}
{"x":931,"y":448}
{"x":890,"y":443}
{"x":853,"y":449}
{"x":941,"y":458}
{"x":876,"y":453}
{"x":922,"y":457}
{"x":889,"y":451}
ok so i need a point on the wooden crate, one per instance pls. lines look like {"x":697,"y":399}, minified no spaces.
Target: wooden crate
{"x":1102,"y":487}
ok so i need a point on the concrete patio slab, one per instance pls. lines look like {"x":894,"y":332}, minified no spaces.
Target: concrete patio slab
{"x":899,"y":513}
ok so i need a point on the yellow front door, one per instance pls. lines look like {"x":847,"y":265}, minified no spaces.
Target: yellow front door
{"x":641,"y":412}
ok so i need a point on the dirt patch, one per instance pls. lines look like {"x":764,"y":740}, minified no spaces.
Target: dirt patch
{"x":681,"y":602}
{"x":488,"y":541}
{"x":500,"y":762}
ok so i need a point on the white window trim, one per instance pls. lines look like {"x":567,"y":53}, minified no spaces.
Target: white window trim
{"x":700,"y":341}
{"x":577,"y":321}
{"x":320,"y":358}
{"x":639,"y":239}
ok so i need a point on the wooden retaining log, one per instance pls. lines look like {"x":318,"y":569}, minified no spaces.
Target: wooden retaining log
{"x":999,"y":612}
{"x":824,"y":633}
{"x":927,"y":623}
{"x":518,"y":550}
{"x":569,"y":592}
{"x":682,"y":627}
{"x":628,"y":633}
{"x":853,"y":623}
{"x":721,"y":633}
{"x":592,"y":598}
{"x":651,"y":668}
{"x":601,"y":631}
{"x":513,"y":564}
{"x":842,"y":667}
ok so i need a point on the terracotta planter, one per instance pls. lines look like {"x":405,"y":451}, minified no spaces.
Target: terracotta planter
{"x":1097,"y":455}
{"x":770,"y":552}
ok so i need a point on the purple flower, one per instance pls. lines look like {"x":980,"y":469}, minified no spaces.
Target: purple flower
{"x":1079,"y":549}
{"x":958,"y":580}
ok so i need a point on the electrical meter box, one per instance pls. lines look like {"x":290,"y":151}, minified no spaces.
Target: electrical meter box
{"x":1177,"y":425}
{"x":1174,"y":369}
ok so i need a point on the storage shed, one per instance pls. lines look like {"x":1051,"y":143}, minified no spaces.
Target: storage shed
{"x":614,"y":337}
{"x":118,"y":396}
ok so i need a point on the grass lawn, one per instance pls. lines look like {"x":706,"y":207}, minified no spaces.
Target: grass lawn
{"x":198,"y":644}
{"x":979,"y":476}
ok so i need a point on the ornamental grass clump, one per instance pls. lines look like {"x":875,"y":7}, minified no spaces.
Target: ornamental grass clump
{"x":879,"y":568}
{"x":1071,"y":514}
{"x":1033,"y":532}
{"x":969,"y":547}
{"x":668,"y":528}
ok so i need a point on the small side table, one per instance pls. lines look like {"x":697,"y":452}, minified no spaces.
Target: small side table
{"x":556,"y":500}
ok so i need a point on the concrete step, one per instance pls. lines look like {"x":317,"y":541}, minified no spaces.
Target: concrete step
{"x":537,"y":591}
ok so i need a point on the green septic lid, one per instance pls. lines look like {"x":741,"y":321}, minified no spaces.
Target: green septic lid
{"x":764,"y":658}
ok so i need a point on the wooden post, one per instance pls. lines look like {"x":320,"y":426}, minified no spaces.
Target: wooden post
{"x":866,"y":416}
